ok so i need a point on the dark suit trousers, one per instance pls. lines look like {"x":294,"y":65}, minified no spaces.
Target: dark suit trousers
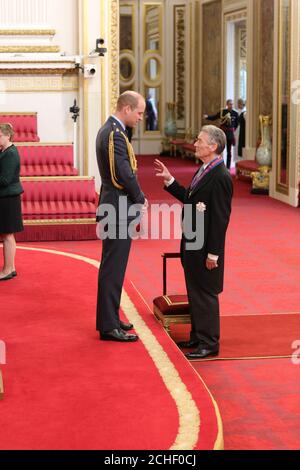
{"x":204,"y":308}
{"x":229,"y":155}
{"x":114,"y":260}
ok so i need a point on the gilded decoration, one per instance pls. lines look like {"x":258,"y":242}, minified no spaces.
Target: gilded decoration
{"x":266,"y":56}
{"x":212,"y":62}
{"x":260,"y":179}
{"x":39,"y":71}
{"x":27,"y":32}
{"x":241,"y":60}
{"x":237,"y":15}
{"x":114,"y":53}
{"x":179,"y":72}
{"x":29,"y":49}
{"x":44,"y":83}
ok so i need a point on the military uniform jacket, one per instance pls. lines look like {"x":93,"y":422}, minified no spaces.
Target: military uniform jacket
{"x":115,"y":162}
{"x":229,"y":121}
{"x":215,"y":191}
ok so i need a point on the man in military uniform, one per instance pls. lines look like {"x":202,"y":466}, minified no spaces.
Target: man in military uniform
{"x":117,"y":166}
{"x":229,"y":121}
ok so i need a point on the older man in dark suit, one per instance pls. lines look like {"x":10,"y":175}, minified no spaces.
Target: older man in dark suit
{"x":211,"y":191}
{"x":120,"y":193}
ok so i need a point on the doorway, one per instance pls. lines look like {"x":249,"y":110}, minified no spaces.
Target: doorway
{"x":235,"y":74}
{"x":141,"y":67}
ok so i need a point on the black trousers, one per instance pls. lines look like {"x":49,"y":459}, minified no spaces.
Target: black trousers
{"x":229,"y":144}
{"x":115,"y":253}
{"x":204,"y":309}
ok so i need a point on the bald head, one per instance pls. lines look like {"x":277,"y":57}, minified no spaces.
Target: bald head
{"x":130,"y":108}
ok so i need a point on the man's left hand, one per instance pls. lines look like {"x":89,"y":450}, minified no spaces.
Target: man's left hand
{"x":211,"y":264}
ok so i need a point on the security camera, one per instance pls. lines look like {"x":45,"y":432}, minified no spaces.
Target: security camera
{"x":100,"y":49}
{"x":90,"y":70}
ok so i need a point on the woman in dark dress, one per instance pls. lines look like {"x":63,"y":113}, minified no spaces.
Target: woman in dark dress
{"x":10,"y":200}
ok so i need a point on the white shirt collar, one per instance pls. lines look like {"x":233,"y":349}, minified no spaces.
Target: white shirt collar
{"x":120,"y":122}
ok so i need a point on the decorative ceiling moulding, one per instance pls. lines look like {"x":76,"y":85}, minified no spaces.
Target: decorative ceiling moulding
{"x":236,"y":15}
{"x":14,"y":84}
{"x":27,"y":32}
{"x":234,"y":5}
{"x":39,"y":71}
{"x":29,"y":49}
{"x":22,"y":60}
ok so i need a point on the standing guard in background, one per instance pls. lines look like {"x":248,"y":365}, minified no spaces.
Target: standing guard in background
{"x":229,"y":122}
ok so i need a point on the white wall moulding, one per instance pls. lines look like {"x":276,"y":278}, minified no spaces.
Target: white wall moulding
{"x":35,"y":63}
{"x":232,"y":5}
{"x":23,"y":12}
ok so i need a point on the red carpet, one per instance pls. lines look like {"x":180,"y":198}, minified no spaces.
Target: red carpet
{"x":258,"y":401}
{"x":64,"y":389}
{"x":260,"y":336}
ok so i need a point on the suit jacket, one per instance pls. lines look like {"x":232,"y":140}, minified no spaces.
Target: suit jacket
{"x":124,"y":174}
{"x":215,"y":191}
{"x":10,"y":172}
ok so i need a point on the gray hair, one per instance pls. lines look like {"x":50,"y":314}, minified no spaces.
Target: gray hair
{"x":216,"y":136}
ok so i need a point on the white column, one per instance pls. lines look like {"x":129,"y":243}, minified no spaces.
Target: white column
{"x":95,"y":92}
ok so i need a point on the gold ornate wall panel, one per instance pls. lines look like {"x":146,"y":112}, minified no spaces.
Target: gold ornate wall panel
{"x":114,"y":53}
{"x":21,"y":83}
{"x":29,"y":49}
{"x":212,"y":62}
{"x":266,"y":60}
{"x":180,"y":62}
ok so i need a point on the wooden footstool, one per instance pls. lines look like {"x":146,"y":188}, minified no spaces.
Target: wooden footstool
{"x":171,"y":308}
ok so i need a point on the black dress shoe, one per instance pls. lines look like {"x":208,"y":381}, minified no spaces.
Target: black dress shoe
{"x":201,"y":353}
{"x":188,"y":344}
{"x":118,"y":335}
{"x":6,"y":278}
{"x":126,"y":326}
{"x":14,"y":273}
